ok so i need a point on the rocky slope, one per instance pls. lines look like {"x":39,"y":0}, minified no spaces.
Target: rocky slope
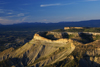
{"x":44,"y":49}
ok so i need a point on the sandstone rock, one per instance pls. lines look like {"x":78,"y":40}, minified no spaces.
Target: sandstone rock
{"x":41,"y":51}
{"x":6,"y":54}
{"x":65,"y":28}
{"x":60,"y":40}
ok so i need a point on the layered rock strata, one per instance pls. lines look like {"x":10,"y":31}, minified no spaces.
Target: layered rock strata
{"x":45,"y":48}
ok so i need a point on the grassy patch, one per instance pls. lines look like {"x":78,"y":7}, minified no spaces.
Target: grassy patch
{"x":96,"y":37}
{"x":71,"y":36}
{"x":58,"y":30}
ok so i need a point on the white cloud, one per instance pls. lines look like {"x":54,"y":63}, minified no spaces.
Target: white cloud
{"x":20,"y":14}
{"x":6,"y":11}
{"x":57,"y":4}
{"x":11,"y":14}
{"x":46,"y":5}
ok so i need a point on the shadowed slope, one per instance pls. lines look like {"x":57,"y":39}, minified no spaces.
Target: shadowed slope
{"x":41,"y":51}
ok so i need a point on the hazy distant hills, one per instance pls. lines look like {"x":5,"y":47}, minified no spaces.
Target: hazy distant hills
{"x":0,"y":24}
{"x":89,"y":23}
{"x":50,"y":26}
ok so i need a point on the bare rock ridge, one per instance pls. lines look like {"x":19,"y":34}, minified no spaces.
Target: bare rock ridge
{"x":65,"y":28}
{"x":45,"y":48}
{"x":58,"y":38}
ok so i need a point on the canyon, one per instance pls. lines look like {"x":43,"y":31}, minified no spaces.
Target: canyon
{"x":40,"y":51}
{"x":50,"y":49}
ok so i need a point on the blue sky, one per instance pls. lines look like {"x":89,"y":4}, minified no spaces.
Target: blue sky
{"x":17,"y":11}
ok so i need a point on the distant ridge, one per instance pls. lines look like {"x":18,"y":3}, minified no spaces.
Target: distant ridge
{"x":0,"y":24}
{"x":88,"y":23}
{"x":50,"y":26}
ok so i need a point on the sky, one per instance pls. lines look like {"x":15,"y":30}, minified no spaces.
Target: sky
{"x":17,"y":11}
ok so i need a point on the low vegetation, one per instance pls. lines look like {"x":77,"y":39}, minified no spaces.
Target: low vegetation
{"x":82,"y":42}
{"x":14,"y":39}
{"x":85,"y":29}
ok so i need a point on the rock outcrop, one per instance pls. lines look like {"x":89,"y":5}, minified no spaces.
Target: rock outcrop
{"x":5,"y":54}
{"x":65,"y":28}
{"x":45,"y":48}
{"x":59,"y":40}
{"x":91,"y":58}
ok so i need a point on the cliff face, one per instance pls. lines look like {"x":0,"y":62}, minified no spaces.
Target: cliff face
{"x":5,"y":54}
{"x":60,"y":40}
{"x":65,"y":28}
{"x":91,"y":58}
{"x":45,"y":48}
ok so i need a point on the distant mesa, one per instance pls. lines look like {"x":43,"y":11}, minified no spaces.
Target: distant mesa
{"x":56,"y":37}
{"x":65,"y":28}
{"x":44,"y":49}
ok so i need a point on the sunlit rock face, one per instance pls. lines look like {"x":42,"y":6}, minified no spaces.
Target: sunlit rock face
{"x":65,"y":28}
{"x":52,"y":37}
{"x":45,"y":48}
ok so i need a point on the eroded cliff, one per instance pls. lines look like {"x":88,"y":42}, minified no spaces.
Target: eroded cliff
{"x":44,"y":49}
